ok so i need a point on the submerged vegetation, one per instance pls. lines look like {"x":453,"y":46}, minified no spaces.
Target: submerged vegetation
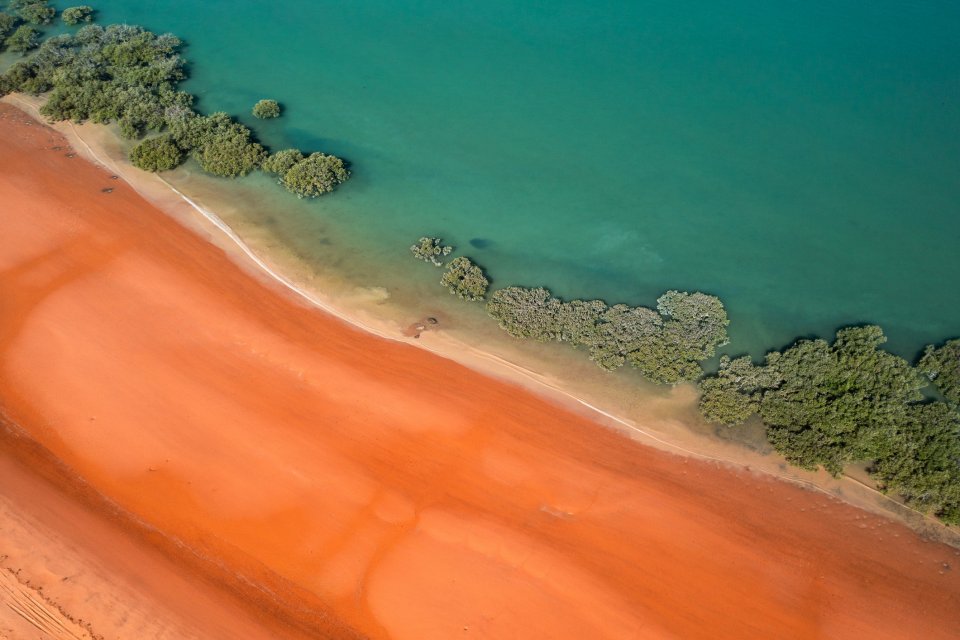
{"x":127,"y":75}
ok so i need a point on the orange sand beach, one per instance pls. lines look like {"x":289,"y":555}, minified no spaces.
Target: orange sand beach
{"x":190,"y":452}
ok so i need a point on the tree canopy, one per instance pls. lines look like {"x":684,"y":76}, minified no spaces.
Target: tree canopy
{"x":850,"y":401}
{"x":430,"y":250}
{"x":667,"y":345}
{"x":127,"y":75}
{"x":465,"y":279}
{"x":942,"y":366}
{"x":75,"y":15}
{"x":266,"y":109}
{"x":281,"y":162}
{"x":7,"y":24}
{"x":315,"y":175}
{"x":23,"y":39}
{"x":159,"y":153}
{"x":33,"y":11}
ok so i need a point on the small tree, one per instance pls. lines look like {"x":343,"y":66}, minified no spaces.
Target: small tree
{"x":430,"y":250}
{"x":315,"y":175}
{"x":156,"y":154}
{"x":266,"y":109}
{"x":465,"y":279}
{"x":23,"y":39}
{"x":7,"y":24}
{"x":229,"y":156}
{"x":75,"y":15}
{"x":281,"y":162}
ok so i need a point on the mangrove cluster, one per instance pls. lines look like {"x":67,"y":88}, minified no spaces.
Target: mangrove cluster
{"x":848,"y":402}
{"x":666,"y":345}
{"x":822,"y":404}
{"x":430,"y":250}
{"x":127,"y":75}
{"x":265,"y":109}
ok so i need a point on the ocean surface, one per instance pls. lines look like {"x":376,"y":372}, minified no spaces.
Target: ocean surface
{"x":799,"y":159}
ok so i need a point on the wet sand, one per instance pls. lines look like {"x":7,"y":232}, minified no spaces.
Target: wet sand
{"x":312,"y":479}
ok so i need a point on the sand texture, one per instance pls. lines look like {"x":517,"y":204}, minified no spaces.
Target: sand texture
{"x":215,"y":459}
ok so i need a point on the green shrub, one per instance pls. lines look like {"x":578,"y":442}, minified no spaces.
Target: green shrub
{"x":7,"y":24}
{"x":160,"y":153}
{"x":23,"y":39}
{"x":315,"y":175}
{"x":922,"y":461}
{"x":465,"y":279}
{"x":229,"y":154}
{"x":75,"y":15}
{"x":33,"y":11}
{"x":430,"y":250}
{"x":942,"y":366}
{"x":666,"y":346}
{"x":281,"y":162}
{"x":266,"y":109}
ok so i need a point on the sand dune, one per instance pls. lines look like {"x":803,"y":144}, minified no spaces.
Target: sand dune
{"x":310,"y":479}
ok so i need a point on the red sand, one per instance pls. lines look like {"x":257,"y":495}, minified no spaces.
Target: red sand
{"x":350,"y":486}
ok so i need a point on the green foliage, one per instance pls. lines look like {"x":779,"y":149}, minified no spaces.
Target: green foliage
{"x":942,"y":366}
{"x":315,"y":175}
{"x":159,"y":153}
{"x":430,"y":250}
{"x":922,"y":461}
{"x":33,"y":11}
{"x":829,"y":405}
{"x":281,"y":162}
{"x":75,"y":15}
{"x":7,"y":24}
{"x":220,"y":145}
{"x":23,"y":39}
{"x":127,"y":75}
{"x":465,"y":279}
{"x":266,"y":109}
{"x":119,"y":74}
{"x":734,"y":393}
{"x":837,"y":404}
{"x":665,"y":346}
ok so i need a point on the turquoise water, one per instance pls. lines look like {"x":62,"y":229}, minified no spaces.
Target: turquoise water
{"x":799,"y":159}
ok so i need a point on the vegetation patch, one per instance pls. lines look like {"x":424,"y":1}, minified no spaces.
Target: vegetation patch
{"x":33,"y":11}
{"x":465,"y":279}
{"x":75,"y":15}
{"x":127,"y":75}
{"x":159,"y":153}
{"x":828,"y":405}
{"x":266,"y":109}
{"x":430,"y":250}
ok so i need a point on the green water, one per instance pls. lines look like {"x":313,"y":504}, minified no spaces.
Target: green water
{"x":799,"y":159}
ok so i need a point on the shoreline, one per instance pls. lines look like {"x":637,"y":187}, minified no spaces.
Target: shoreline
{"x":202,"y":219}
{"x":290,"y":448}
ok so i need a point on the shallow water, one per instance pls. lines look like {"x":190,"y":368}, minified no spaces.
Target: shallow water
{"x":798,"y":159}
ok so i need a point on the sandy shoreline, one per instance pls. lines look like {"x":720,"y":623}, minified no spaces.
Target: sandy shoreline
{"x":94,"y":143}
{"x":294,"y":469}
